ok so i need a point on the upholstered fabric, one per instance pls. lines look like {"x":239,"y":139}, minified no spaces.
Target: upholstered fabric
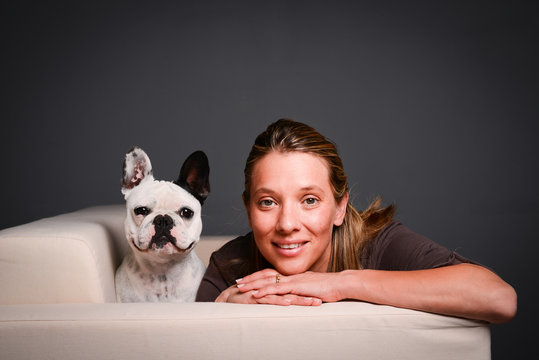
{"x":57,"y":301}
{"x":228,"y":331}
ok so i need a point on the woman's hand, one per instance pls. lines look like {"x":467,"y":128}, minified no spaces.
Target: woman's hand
{"x":257,"y":289}
{"x":270,"y":287}
{"x":234,"y":295}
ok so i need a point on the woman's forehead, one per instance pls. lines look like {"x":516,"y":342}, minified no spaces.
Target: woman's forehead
{"x":294,"y":168}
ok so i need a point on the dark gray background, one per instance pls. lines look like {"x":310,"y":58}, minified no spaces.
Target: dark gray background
{"x":434,"y":106}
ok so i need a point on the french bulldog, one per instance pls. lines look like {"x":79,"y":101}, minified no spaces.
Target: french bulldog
{"x":162,"y":227}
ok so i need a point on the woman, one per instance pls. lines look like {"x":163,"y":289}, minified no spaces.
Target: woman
{"x":309,"y":245}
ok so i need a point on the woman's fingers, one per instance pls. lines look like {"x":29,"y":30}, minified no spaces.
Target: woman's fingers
{"x":289,"y":299}
{"x":233,"y":295}
{"x":262,"y":274}
{"x":259,"y":280}
{"x":309,"y":284}
{"x":225,"y":294}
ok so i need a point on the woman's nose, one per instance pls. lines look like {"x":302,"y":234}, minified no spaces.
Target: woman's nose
{"x":288,"y":220}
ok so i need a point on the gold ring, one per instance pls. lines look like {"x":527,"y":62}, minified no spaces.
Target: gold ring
{"x":277,"y":278}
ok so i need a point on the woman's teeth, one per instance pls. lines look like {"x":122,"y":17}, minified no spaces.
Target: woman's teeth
{"x":289,"y":246}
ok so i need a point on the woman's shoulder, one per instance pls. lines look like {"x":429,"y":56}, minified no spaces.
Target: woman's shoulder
{"x":394,"y":230}
{"x":396,"y":247}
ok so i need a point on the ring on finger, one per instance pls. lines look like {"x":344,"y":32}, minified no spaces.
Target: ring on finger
{"x":277,"y":278}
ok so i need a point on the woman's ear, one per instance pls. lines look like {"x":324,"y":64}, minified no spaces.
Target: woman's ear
{"x":341,"y":210}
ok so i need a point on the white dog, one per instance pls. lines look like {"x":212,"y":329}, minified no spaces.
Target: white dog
{"x":163,"y":225}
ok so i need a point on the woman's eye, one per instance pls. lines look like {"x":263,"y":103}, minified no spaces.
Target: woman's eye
{"x":142,"y":210}
{"x":311,"y":201}
{"x":266,"y":203}
{"x":186,"y":213}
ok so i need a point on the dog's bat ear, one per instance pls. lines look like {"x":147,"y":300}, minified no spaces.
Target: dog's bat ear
{"x":195,"y":176}
{"x":137,"y":168}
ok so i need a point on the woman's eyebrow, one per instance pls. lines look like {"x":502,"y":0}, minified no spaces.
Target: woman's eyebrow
{"x":264,"y":191}
{"x":307,"y":188}
{"x":312,"y":188}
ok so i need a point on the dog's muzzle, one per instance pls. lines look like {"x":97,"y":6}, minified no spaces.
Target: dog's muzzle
{"x":162,"y":224}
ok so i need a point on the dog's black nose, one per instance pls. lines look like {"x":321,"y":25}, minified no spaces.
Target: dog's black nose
{"x":163,"y":222}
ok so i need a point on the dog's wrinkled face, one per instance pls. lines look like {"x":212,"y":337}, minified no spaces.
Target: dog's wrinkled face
{"x":163,"y":218}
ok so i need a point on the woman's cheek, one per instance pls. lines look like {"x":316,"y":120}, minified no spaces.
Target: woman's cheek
{"x":317,"y":222}
{"x":262,"y":221}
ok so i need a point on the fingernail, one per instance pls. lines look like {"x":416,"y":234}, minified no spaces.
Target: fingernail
{"x":254,"y":292}
{"x":240,"y":285}
{"x":238,"y":280}
{"x":308,"y":298}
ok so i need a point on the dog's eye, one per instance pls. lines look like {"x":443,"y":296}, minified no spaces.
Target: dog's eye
{"x":142,"y":210}
{"x":186,"y":213}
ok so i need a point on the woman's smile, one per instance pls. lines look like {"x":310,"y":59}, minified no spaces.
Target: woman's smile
{"x":290,"y":248}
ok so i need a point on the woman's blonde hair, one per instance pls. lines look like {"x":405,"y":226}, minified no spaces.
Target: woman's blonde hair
{"x":349,"y":239}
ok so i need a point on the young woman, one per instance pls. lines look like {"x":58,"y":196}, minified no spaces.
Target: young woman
{"x":309,"y":245}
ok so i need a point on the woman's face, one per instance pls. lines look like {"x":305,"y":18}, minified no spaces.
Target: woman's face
{"x":292,"y":211}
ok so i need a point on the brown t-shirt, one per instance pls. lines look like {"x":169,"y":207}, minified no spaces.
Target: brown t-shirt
{"x":395,"y":247}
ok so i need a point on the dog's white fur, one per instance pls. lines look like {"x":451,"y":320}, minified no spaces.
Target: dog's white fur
{"x":162,"y":227}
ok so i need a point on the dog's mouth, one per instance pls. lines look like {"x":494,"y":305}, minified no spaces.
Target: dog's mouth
{"x":159,"y":242}
{"x":164,"y":241}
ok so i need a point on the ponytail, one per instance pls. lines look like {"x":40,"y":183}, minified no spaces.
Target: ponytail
{"x":350,"y":239}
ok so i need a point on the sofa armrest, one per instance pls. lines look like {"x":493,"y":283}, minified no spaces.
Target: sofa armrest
{"x":64,"y":259}
{"x":345,"y":330}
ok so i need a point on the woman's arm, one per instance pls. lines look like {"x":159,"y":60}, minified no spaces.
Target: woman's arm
{"x":464,"y":290}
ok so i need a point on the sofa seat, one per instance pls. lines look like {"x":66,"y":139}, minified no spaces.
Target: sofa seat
{"x":57,"y":302}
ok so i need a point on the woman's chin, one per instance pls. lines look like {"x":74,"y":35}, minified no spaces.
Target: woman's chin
{"x":291,"y":269}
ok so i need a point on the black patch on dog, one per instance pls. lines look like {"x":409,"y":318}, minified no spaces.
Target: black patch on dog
{"x":195,"y":176}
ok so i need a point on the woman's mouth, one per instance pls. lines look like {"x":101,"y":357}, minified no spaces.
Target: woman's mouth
{"x":289,"y":246}
{"x":290,"y":249}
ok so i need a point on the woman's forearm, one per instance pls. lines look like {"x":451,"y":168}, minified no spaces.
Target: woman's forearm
{"x":463,"y":290}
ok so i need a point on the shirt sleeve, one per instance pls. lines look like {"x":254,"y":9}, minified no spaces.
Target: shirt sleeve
{"x":212,"y":284}
{"x":224,"y":267}
{"x":398,"y":248}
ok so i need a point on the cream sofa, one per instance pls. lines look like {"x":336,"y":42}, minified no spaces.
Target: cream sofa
{"x":57,"y":301}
